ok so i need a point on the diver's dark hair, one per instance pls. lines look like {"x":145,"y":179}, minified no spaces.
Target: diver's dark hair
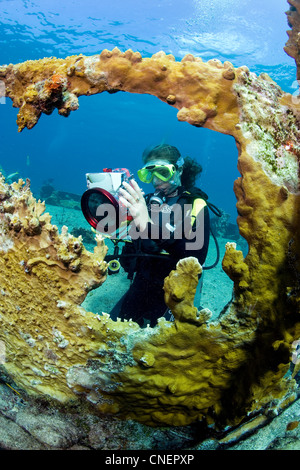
{"x":191,"y":168}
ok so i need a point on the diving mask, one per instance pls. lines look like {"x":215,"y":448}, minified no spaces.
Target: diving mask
{"x":162,"y":171}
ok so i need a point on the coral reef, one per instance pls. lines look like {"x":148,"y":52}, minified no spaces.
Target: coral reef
{"x":179,"y":372}
{"x":175,"y":374}
{"x":44,"y":275}
{"x":292,"y":47}
{"x":192,"y":86}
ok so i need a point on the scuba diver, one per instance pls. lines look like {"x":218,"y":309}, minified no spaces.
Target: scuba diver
{"x":170,"y":224}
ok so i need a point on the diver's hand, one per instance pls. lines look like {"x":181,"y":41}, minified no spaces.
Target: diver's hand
{"x":132,"y":197}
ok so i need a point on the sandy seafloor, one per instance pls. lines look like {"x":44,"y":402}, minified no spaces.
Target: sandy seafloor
{"x":216,"y":289}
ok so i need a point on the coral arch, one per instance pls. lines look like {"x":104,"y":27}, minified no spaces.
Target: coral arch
{"x":183,"y":371}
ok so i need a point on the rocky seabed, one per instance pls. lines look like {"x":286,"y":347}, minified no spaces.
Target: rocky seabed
{"x":28,"y":425}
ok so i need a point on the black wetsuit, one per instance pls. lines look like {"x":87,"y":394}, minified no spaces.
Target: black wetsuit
{"x":145,"y":298}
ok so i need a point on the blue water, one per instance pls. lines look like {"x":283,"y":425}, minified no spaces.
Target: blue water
{"x":113,"y":130}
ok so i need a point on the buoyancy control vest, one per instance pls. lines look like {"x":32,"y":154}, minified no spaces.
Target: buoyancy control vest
{"x":198,"y":199}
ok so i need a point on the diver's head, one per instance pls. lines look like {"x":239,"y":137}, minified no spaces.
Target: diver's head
{"x":186,"y":169}
{"x":163,"y":168}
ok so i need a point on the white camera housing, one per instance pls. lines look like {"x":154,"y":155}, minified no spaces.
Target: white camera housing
{"x":110,"y":181}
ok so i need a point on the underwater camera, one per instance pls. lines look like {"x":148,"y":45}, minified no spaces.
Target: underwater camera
{"x":100,"y":204}
{"x":102,"y":208}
